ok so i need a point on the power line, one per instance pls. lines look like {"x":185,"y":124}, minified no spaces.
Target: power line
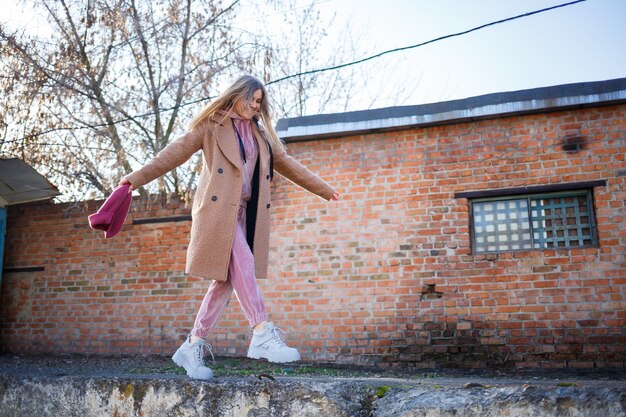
{"x":378,"y":55}
{"x":404,"y":48}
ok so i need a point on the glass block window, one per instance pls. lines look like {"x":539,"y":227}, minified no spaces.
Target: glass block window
{"x":502,"y":225}
{"x":556,"y":220}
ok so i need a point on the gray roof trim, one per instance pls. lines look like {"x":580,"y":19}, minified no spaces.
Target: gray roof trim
{"x":494,"y":105}
{"x":20,"y":183}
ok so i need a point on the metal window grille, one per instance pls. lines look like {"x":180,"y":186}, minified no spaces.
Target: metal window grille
{"x":561,"y":222}
{"x":557,"y":220}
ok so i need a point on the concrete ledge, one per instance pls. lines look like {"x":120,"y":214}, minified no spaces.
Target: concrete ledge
{"x":236,"y":397}
{"x":504,"y":401}
{"x":94,"y":386}
{"x":81,"y":396}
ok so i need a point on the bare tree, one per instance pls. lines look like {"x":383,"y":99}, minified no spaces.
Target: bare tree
{"x":107,"y":89}
{"x":309,"y":41}
{"x":115,"y":80}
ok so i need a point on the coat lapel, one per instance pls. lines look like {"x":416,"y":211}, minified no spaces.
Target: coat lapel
{"x":227,"y":142}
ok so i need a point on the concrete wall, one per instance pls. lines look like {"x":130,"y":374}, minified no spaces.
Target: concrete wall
{"x":385,"y":276}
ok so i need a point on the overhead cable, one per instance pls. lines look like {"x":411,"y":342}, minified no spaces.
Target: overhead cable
{"x":378,"y":55}
{"x":404,"y":48}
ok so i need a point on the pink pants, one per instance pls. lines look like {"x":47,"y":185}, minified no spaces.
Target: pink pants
{"x":241,"y":278}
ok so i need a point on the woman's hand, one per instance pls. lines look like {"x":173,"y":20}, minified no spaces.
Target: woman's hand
{"x":335,"y":196}
{"x":125,"y":181}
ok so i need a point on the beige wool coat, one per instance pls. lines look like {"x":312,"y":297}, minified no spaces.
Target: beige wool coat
{"x":217,"y":198}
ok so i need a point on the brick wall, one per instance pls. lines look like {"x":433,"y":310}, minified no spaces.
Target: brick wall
{"x":385,"y":276}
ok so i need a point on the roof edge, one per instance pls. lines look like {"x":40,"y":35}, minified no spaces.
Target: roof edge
{"x":494,"y":105}
{"x":20,"y":183}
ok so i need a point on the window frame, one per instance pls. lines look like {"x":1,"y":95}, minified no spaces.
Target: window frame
{"x":530,"y":193}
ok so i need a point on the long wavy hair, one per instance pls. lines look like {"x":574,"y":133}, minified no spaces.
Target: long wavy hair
{"x":242,"y":89}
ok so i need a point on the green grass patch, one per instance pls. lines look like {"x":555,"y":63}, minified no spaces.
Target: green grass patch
{"x":159,"y":370}
{"x":382,"y":391}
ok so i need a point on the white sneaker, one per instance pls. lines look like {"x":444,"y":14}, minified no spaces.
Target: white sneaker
{"x":191,"y":357}
{"x":271,"y":346}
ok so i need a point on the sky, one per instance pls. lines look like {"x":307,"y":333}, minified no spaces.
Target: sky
{"x":582,"y":42}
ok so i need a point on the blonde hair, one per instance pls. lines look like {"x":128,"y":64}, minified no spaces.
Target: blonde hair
{"x":242,"y":89}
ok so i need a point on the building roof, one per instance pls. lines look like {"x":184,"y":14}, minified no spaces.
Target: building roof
{"x":536,"y":100}
{"x":20,"y":183}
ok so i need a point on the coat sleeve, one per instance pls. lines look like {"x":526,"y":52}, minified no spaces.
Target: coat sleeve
{"x":170,"y":157}
{"x":297,"y":173}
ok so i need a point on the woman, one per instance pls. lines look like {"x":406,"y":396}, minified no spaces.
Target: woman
{"x":230,"y":227}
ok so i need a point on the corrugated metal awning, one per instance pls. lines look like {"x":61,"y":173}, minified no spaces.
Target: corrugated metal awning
{"x":20,"y":183}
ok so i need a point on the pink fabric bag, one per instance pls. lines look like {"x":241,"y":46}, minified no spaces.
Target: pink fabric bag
{"x":110,"y":217}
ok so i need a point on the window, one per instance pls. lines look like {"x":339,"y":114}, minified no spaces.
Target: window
{"x":555,"y":220}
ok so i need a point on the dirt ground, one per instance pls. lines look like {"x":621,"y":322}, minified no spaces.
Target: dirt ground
{"x":223,"y":367}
